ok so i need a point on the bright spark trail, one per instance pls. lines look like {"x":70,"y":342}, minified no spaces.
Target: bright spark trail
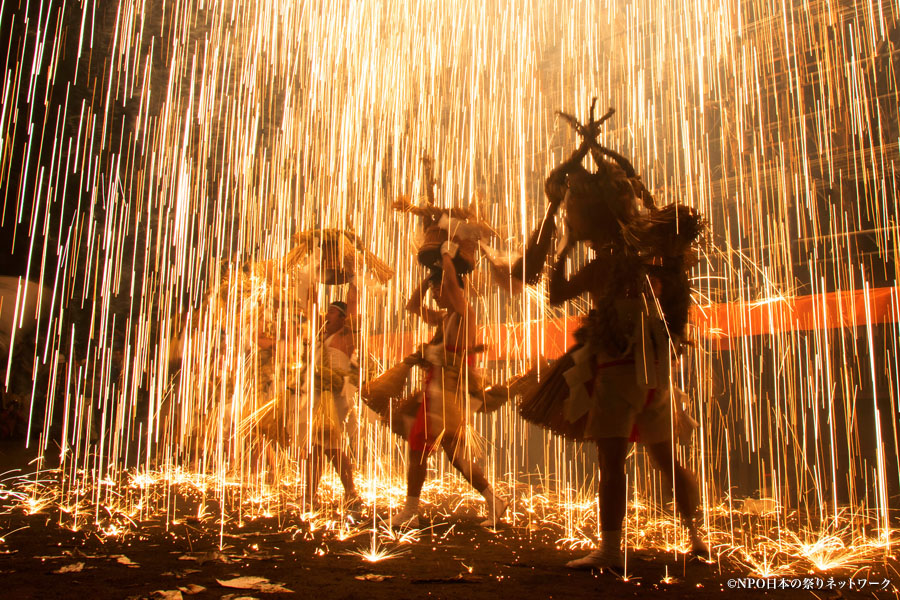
{"x":163,"y":155}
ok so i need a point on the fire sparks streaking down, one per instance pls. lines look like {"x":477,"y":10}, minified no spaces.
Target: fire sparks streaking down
{"x":211,"y":134}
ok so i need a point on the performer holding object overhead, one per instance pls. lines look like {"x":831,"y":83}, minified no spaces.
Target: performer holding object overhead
{"x":614,"y":386}
{"x":339,"y":256}
{"x":439,"y":414}
{"x":443,"y":415}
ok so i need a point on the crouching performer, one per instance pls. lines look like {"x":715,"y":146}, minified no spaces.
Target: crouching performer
{"x":614,"y":386}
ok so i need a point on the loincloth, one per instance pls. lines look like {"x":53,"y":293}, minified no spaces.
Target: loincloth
{"x":446,"y":406}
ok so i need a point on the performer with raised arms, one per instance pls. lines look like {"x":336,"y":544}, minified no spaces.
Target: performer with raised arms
{"x":443,"y":416}
{"x":614,"y":386}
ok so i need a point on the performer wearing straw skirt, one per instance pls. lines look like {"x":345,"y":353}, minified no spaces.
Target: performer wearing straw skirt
{"x":333,"y":257}
{"x":442,"y":419}
{"x":332,"y":399}
{"x":614,"y":385}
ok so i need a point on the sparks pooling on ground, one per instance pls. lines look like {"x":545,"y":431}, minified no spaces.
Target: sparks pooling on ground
{"x":215,"y":132}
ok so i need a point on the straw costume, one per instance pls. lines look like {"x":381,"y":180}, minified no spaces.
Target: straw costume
{"x":614,"y":385}
{"x":336,"y":378}
{"x":467,"y":232}
{"x":329,"y":404}
{"x":439,"y":414}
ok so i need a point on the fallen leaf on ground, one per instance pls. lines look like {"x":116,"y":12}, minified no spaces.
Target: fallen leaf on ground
{"x":76,"y":553}
{"x":259,"y":556}
{"x":180,"y":574}
{"x":167,"y":595}
{"x":124,"y":560}
{"x":238,"y":597}
{"x":192,"y":588}
{"x":274,"y":588}
{"x":243,"y":583}
{"x":458,"y":579}
{"x":374,"y":577}
{"x":260,"y":584}
{"x":73,"y":568}
{"x":215,"y":555}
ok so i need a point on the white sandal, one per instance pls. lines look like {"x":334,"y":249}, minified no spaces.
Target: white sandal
{"x":598,"y":559}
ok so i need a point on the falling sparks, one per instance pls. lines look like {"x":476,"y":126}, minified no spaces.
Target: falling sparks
{"x":168,"y":153}
{"x":377,"y":552}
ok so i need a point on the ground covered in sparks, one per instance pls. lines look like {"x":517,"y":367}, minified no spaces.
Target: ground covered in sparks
{"x":272,"y":548}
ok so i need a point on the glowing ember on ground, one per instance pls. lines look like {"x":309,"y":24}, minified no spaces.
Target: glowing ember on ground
{"x":163,"y":155}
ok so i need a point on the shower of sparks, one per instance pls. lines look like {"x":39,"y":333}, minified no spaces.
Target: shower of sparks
{"x":181,"y":146}
{"x":377,"y":552}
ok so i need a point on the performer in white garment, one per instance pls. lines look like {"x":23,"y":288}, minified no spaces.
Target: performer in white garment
{"x":336,"y":378}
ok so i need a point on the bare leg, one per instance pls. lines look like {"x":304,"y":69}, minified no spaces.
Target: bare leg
{"x":416,"y":472}
{"x":313,"y":473}
{"x":272,"y":464}
{"x":471,"y":471}
{"x":685,"y":486}
{"x":344,"y":467}
{"x":496,"y":505}
{"x":612,"y":454}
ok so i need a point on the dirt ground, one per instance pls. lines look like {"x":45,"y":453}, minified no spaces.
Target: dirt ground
{"x":451,"y":556}
{"x":454,"y":558}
